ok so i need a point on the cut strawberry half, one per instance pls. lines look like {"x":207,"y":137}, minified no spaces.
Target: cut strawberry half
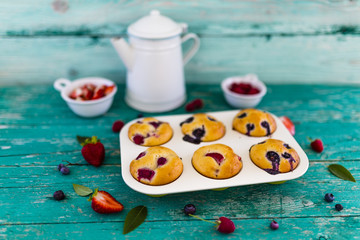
{"x":99,"y":93}
{"x":109,"y":89}
{"x":288,"y":124}
{"x":102,"y":202}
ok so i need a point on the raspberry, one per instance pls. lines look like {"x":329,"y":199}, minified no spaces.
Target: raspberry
{"x":117,"y":126}
{"x":194,"y":105}
{"x":274,"y":225}
{"x":225,"y":225}
{"x":138,"y":139}
{"x":317,"y":145}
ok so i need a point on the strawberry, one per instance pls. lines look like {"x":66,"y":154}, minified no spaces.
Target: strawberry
{"x":93,"y":151}
{"x":109,"y":89}
{"x":288,"y":124}
{"x":99,"y":93}
{"x":103,"y":202}
{"x":317,"y":145}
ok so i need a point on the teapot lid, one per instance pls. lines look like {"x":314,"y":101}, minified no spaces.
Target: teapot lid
{"x":155,"y":26}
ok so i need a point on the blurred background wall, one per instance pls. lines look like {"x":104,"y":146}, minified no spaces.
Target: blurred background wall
{"x":284,"y":41}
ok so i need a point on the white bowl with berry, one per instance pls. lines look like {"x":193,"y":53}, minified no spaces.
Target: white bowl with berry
{"x":87,"y":97}
{"x":243,"y":91}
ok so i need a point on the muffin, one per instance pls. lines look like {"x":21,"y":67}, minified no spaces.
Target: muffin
{"x":150,"y":132}
{"x":274,"y":156}
{"x":202,"y":128}
{"x":216,"y":161}
{"x":156,"y":166}
{"x":255,"y":123}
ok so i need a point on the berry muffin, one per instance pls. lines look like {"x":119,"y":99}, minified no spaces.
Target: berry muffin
{"x":156,"y":166}
{"x":216,"y":161}
{"x":274,"y":156}
{"x":202,"y":128}
{"x":255,"y":123}
{"x":150,"y":132}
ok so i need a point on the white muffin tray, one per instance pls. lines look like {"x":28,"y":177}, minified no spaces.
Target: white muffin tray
{"x":190,"y":180}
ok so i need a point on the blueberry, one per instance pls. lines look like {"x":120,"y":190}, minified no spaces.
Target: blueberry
{"x":249,"y":128}
{"x":274,"y":225}
{"x":266,"y":125}
{"x":189,"y":120}
{"x":140,"y":115}
{"x":211,"y":119}
{"x":189,"y":209}
{"x":287,"y":146}
{"x":242,"y":115}
{"x":65,"y":170}
{"x":60,"y":166}
{"x":329,"y":197}
{"x":190,"y":139}
{"x":339,"y":207}
{"x":59,"y":195}
{"x":286,"y":155}
{"x":198,"y":133}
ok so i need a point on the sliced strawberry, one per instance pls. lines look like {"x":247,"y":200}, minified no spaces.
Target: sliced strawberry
{"x":76,"y":93}
{"x":93,"y":152}
{"x":103,"y":202}
{"x":87,"y":93}
{"x":99,"y":93}
{"x":109,"y":89}
{"x":90,"y":86}
{"x":288,"y":124}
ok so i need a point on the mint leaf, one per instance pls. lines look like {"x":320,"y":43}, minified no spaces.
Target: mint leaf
{"x":82,"y":190}
{"x":341,"y":172}
{"x":82,"y":139}
{"x":134,"y":218}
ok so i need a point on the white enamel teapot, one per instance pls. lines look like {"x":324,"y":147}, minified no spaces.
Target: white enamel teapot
{"x":154,"y":62}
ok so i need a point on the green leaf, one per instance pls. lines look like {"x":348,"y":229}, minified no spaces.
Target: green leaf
{"x":134,"y":218}
{"x":82,"y":139}
{"x":82,"y":190}
{"x":341,"y":172}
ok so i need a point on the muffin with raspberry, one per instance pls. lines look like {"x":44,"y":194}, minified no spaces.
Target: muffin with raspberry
{"x":216,"y":161}
{"x":150,"y":132}
{"x":156,"y":166}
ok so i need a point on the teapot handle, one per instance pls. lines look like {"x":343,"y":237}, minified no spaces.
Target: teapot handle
{"x":193,"y":49}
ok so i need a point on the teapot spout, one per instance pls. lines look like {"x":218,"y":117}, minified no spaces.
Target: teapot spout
{"x":125,"y":51}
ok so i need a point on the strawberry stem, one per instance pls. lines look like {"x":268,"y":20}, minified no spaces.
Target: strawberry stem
{"x":202,"y":219}
{"x":93,"y":195}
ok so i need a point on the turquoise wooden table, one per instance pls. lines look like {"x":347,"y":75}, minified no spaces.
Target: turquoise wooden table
{"x":38,"y":131}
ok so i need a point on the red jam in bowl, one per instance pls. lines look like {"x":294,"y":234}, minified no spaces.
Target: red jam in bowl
{"x":243,"y":88}
{"x":91,"y":92}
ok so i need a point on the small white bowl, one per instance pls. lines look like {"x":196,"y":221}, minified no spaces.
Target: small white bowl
{"x":91,"y":108}
{"x":241,"y":100}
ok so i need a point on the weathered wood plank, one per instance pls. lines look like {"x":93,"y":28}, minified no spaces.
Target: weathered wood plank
{"x":290,"y":228}
{"x":94,"y":17}
{"x":28,"y":136}
{"x":305,"y":60}
{"x":303,"y":197}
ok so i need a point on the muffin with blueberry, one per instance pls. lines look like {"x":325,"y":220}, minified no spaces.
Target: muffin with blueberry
{"x":156,"y":166}
{"x":255,"y":123}
{"x":274,"y":156}
{"x":202,"y":128}
{"x":216,"y":161}
{"x":150,"y":132}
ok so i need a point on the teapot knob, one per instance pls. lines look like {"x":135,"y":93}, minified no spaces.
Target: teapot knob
{"x":155,"y":13}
